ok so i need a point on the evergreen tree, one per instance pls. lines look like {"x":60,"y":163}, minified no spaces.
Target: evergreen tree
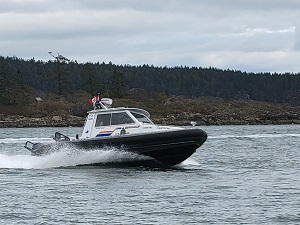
{"x":118,"y":84}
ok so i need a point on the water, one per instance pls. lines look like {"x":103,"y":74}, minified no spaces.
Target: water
{"x":241,"y":175}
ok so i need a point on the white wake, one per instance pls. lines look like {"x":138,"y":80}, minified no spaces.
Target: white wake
{"x":67,"y":158}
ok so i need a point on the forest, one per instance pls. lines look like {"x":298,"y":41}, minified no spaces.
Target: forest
{"x":21,"y":79}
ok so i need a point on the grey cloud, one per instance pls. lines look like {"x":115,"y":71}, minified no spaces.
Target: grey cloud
{"x":224,"y":33}
{"x":193,"y":6}
{"x":297,"y":41}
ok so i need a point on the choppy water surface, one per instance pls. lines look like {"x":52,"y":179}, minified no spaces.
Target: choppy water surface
{"x":241,"y":175}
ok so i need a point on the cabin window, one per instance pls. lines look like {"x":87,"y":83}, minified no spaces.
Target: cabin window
{"x":141,"y":118}
{"x":121,"y":118}
{"x":103,"y":120}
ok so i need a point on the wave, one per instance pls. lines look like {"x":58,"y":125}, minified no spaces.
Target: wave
{"x":190,"y":162}
{"x":254,"y":136}
{"x":23,"y":140}
{"x":68,"y":158}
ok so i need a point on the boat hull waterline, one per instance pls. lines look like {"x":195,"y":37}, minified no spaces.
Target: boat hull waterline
{"x":170,"y":148}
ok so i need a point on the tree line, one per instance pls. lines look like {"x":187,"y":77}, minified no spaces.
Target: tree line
{"x":19,"y":77}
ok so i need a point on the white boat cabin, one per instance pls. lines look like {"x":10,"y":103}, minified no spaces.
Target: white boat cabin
{"x":104,"y":121}
{"x":116,"y":121}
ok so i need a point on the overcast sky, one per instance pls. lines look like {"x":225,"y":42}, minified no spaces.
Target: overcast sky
{"x":247,"y":35}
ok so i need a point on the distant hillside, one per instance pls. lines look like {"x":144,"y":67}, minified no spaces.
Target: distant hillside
{"x":20,"y":80}
{"x":57,"y":111}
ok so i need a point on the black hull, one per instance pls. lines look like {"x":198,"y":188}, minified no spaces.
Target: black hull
{"x":170,"y":148}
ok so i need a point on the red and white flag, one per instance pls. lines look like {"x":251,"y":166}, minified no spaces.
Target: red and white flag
{"x":95,"y":99}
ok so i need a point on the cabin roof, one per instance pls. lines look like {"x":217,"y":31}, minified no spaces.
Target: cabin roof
{"x":121,"y":109}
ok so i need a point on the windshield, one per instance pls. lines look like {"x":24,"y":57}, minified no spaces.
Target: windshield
{"x":141,"y":118}
{"x":113,"y":119}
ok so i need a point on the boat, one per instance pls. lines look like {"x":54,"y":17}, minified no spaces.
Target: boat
{"x":129,"y":130}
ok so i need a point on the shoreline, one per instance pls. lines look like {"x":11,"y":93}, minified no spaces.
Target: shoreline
{"x":167,"y":110}
{"x":18,"y":121}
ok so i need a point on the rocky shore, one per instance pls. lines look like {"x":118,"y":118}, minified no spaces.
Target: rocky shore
{"x":182,"y":119}
{"x":185,"y":119}
{"x":164,"y":110}
{"x":19,"y":121}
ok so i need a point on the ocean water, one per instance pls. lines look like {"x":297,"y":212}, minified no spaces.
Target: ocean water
{"x":241,"y":175}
